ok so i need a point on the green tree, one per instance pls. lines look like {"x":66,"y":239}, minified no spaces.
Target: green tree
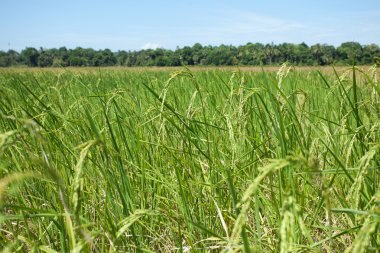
{"x":46,"y":57}
{"x":349,"y":52}
{"x":249,"y":54}
{"x":30,"y":56}
{"x":370,"y":53}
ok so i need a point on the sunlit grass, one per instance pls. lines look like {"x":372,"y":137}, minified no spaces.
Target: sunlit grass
{"x":177,"y":160}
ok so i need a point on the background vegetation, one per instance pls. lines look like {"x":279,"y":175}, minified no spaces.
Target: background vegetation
{"x":249,"y":54}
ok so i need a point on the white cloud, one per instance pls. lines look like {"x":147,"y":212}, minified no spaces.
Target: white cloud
{"x":239,"y":27}
{"x":250,"y":22}
{"x":150,"y":45}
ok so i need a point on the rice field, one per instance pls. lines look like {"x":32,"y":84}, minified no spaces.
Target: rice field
{"x":178,"y":160}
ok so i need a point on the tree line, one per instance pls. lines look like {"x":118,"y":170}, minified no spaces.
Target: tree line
{"x":223,"y":55}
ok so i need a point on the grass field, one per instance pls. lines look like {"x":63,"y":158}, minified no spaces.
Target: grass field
{"x":322,"y":69}
{"x":177,"y":160}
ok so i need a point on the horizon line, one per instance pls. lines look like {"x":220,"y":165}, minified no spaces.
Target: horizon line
{"x":157,"y":46}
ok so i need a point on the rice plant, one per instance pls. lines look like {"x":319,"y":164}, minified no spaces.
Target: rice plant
{"x":111,"y":160}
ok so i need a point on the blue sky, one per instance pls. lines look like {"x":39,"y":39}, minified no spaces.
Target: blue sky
{"x":133,"y":25}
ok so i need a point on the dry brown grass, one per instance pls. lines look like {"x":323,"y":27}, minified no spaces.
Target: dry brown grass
{"x":324,"y":69}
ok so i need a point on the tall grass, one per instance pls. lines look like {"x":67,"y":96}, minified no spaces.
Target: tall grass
{"x":206,"y":161}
